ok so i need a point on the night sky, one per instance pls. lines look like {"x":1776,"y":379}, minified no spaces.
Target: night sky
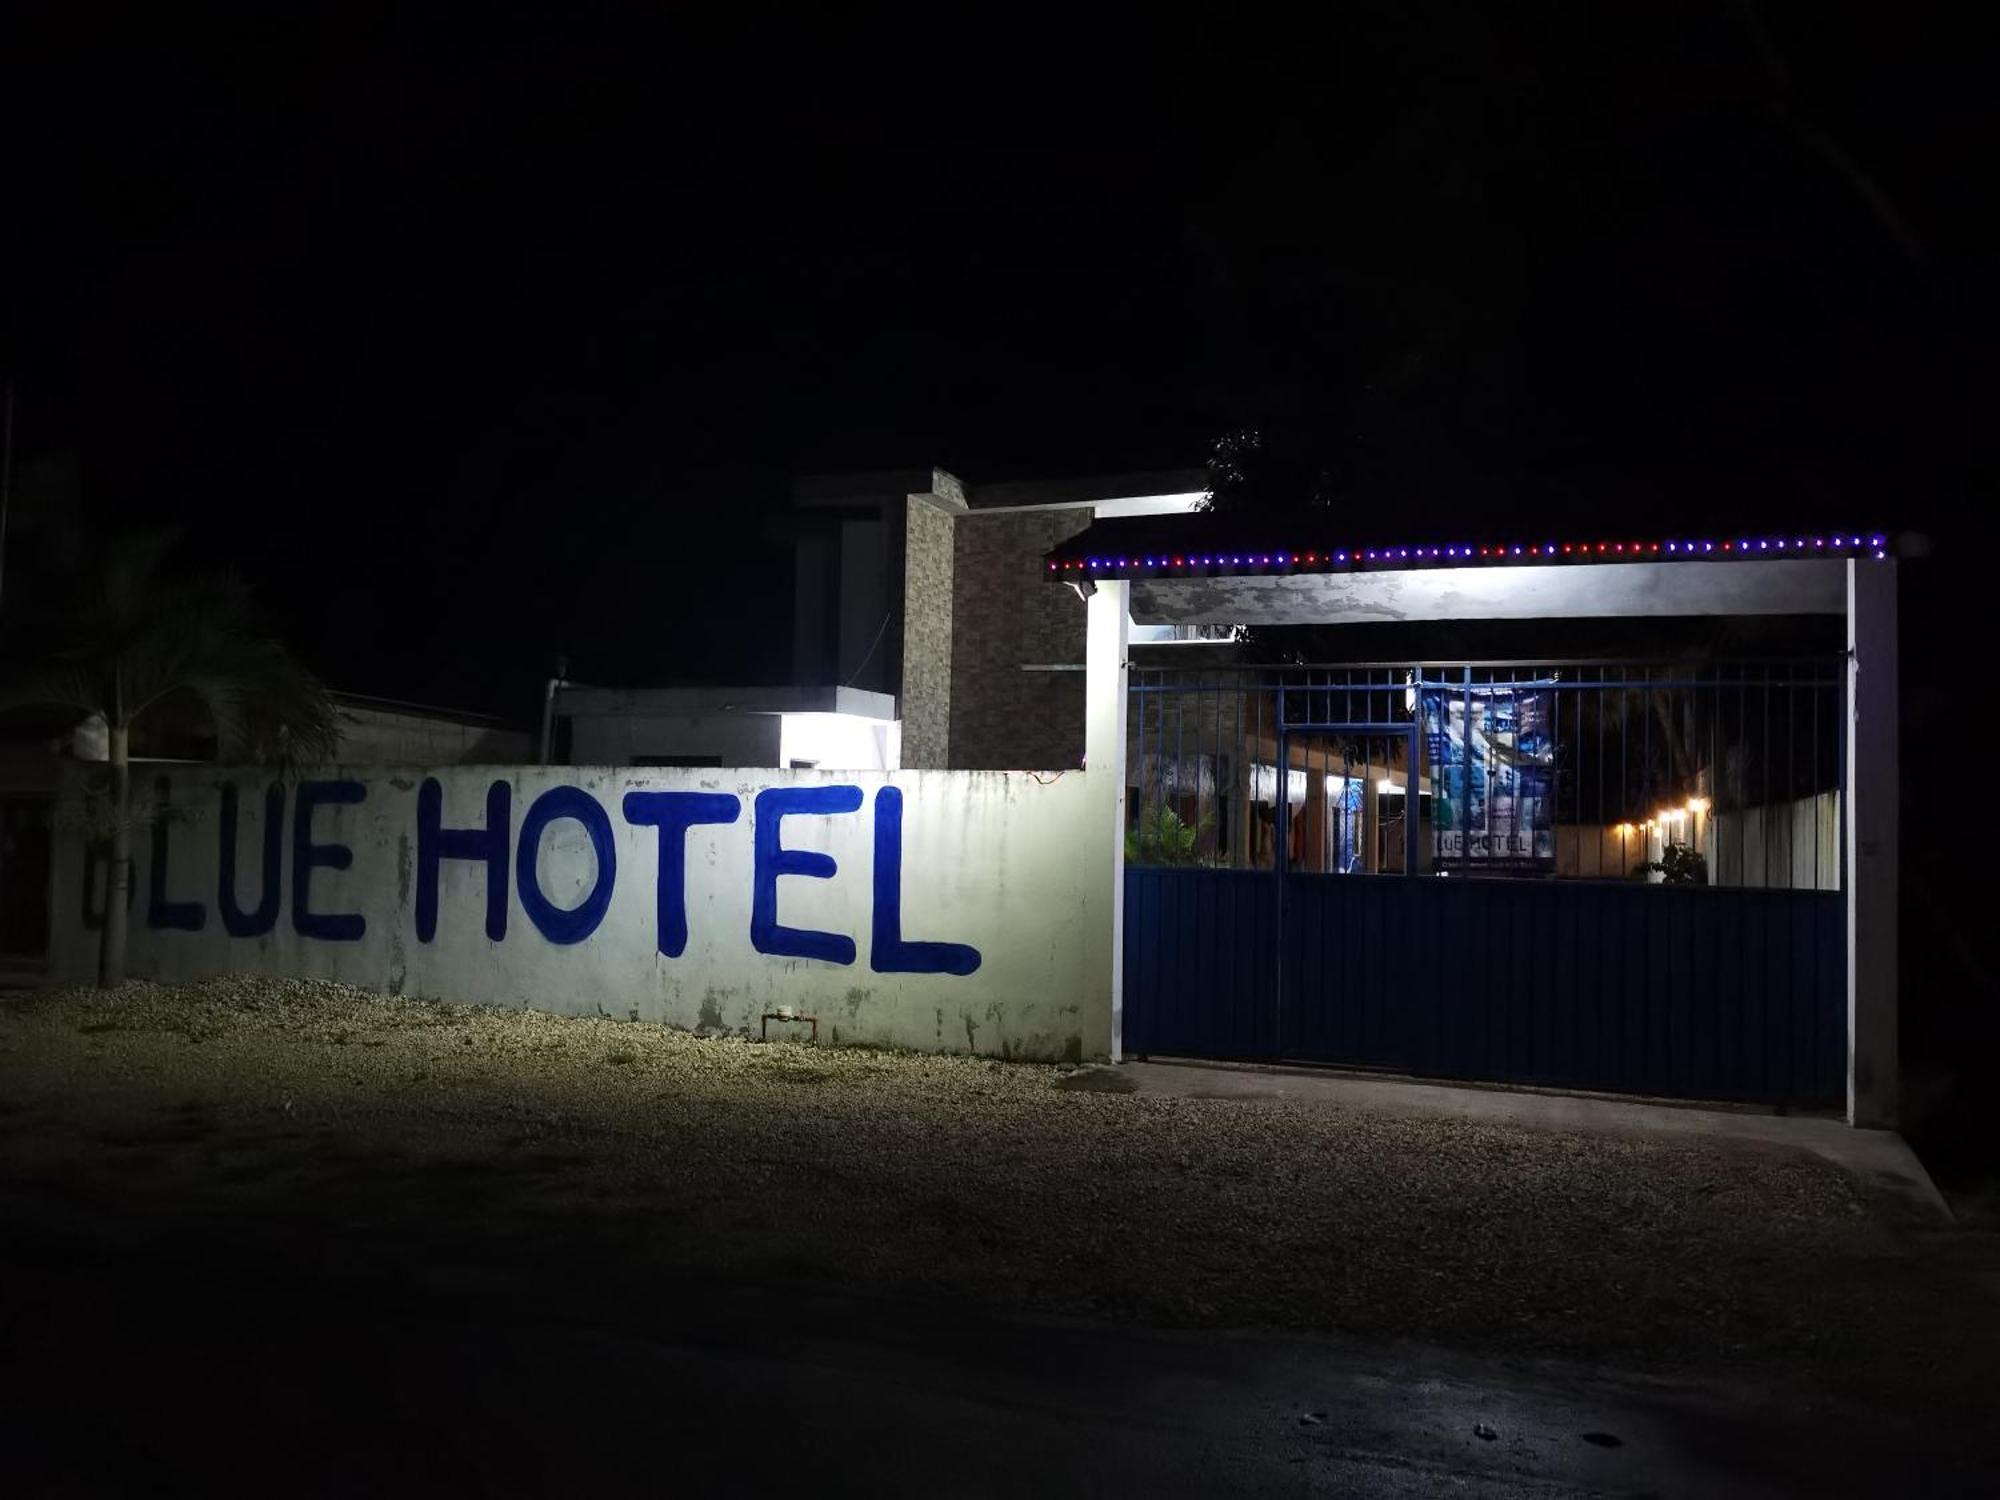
{"x":475,"y":335}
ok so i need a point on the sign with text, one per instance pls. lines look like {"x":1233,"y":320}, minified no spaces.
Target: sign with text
{"x":1492,"y":769}
{"x":941,"y":909}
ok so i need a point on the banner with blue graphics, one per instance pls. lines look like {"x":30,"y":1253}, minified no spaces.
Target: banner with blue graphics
{"x":1491,"y":753}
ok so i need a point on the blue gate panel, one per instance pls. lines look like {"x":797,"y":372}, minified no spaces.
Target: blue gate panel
{"x":1201,"y":952}
{"x":1625,"y":987}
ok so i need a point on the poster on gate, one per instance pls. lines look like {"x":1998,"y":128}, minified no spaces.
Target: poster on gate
{"x":1492,"y":769}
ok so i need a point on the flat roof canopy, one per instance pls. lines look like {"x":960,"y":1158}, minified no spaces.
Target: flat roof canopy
{"x":1804,"y":587}
{"x":1209,"y":569}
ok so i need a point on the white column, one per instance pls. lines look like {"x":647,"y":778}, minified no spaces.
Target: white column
{"x":1871,"y":843}
{"x":1104,"y":826}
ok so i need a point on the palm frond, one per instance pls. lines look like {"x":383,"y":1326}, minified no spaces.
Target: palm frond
{"x":182,"y":653}
{"x":55,"y":684}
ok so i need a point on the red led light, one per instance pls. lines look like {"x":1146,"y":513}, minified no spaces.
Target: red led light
{"x":1395,"y":556}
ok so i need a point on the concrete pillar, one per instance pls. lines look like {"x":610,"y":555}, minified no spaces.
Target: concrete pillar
{"x":927,"y":540}
{"x":1872,"y":814}
{"x":1104,"y":796}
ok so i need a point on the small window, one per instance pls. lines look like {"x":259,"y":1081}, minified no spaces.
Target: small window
{"x":805,"y":765}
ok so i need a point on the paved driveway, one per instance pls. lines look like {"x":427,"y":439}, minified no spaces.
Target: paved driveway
{"x":535,"y":1161}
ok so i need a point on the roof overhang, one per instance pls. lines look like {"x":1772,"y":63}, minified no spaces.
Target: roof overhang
{"x":1803,"y":587}
{"x":1204,"y":568}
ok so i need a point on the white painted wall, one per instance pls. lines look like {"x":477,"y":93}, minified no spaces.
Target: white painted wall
{"x":994,"y":860}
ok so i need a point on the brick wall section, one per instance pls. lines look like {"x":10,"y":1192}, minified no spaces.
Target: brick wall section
{"x":927,"y":637}
{"x":1007,"y":614}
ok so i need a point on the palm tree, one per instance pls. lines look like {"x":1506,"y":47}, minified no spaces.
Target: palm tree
{"x":145,"y":649}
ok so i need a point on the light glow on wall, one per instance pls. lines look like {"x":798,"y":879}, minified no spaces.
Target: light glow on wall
{"x":1149,"y":505}
{"x":839,"y":742}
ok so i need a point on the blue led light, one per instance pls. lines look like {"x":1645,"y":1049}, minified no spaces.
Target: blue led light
{"x":1875,"y":545}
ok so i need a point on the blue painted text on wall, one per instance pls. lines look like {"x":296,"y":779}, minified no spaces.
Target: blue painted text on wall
{"x":491,"y":842}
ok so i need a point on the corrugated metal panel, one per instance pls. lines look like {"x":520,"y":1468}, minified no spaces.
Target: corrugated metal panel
{"x":1690,"y":992}
{"x":1201,"y":962}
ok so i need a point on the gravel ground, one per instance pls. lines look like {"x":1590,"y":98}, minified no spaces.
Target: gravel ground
{"x":602,"y":1142}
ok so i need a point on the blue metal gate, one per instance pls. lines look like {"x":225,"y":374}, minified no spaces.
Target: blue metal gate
{"x":1688,"y":990}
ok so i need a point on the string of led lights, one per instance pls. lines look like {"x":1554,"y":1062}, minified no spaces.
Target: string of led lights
{"x":1350,"y":559}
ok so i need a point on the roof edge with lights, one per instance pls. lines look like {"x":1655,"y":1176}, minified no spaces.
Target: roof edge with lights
{"x":1115,"y":549}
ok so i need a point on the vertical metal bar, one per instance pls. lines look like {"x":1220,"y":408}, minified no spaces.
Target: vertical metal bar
{"x":1715,"y":766}
{"x":1410,"y":805}
{"x":1556,"y":774}
{"x":1603,"y":818}
{"x":1743,"y":777}
{"x":1844,"y":719}
{"x":1180,"y":770}
{"x":1465,"y":783}
{"x":1769,"y":873}
{"x":1138,"y":736}
{"x":1625,"y":755}
{"x":1322,"y":859}
{"x":1281,"y":825}
{"x":1246,"y":777}
{"x":1814,"y":742}
{"x":1791,"y":766}
{"x":1646,"y":740}
{"x":1256,"y":749}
